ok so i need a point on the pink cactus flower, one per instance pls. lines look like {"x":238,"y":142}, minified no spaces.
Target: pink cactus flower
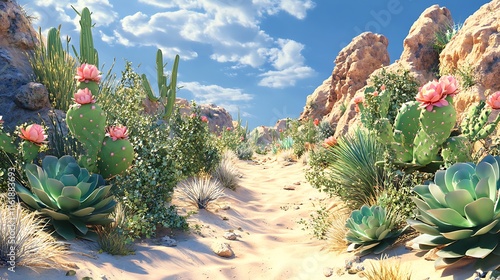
{"x":204,"y":119}
{"x":375,"y":93}
{"x":449,"y":85}
{"x":33,"y":133}
{"x":228,"y":129}
{"x":358,"y":99}
{"x":329,"y":142}
{"x":87,"y":72}
{"x":430,"y":95}
{"x":316,"y":122}
{"x":193,"y":115}
{"x":83,"y":96}
{"x":382,"y":87}
{"x":494,"y":100}
{"x":117,"y":132}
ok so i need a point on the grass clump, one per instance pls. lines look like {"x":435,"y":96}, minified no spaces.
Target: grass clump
{"x":387,"y":269}
{"x":112,"y":239}
{"x":225,"y":172}
{"x":34,"y":247}
{"x":200,"y":191}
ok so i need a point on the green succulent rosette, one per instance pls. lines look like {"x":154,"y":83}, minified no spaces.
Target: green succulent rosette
{"x":67,"y":194}
{"x":459,"y":213}
{"x":371,"y":230}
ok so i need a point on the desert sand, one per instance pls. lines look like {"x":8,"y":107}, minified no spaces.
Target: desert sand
{"x":270,"y":243}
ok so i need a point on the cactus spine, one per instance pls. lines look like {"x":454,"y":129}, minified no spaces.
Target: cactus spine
{"x":166,"y":91}
{"x":475,"y":125}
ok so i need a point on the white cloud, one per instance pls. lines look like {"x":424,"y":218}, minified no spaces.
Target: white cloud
{"x":232,"y":99}
{"x":286,"y":77}
{"x":297,"y":8}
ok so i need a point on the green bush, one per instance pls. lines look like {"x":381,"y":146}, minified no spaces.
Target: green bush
{"x":402,"y":86}
{"x":193,"y":145}
{"x":444,"y":35}
{"x":146,"y":188}
{"x":244,"y":151}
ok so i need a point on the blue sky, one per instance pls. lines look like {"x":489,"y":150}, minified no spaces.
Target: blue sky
{"x":259,"y":57}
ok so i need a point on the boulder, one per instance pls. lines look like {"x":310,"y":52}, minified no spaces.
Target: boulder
{"x":476,"y":48}
{"x":222,"y":249}
{"x":317,"y":105}
{"x":354,"y":64}
{"x":32,"y":96}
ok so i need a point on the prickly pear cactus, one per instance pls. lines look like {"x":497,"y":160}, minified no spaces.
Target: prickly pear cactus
{"x":91,"y":85}
{"x":435,"y":128}
{"x":6,"y":143}
{"x":87,"y":122}
{"x":406,"y":127}
{"x":115,"y":156}
{"x":456,"y":149}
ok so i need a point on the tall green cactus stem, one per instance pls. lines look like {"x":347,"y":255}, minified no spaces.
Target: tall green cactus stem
{"x":167,"y":92}
{"x":88,"y":54}
{"x":54,"y":44}
{"x":435,"y":128}
{"x":87,"y":123}
{"x":475,"y":125}
{"x":115,"y":156}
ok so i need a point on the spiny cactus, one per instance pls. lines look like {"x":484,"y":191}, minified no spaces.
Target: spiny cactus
{"x":116,"y":154}
{"x":475,"y":125}
{"x":166,"y":91}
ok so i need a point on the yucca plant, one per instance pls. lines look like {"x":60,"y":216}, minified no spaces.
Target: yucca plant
{"x":351,"y":165}
{"x":68,"y":195}
{"x":200,"y":191}
{"x":371,"y":229}
{"x":34,"y":247}
{"x":459,"y":213}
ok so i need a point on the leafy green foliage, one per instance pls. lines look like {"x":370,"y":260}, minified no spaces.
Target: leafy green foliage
{"x":146,"y":188}
{"x":193,"y":147}
{"x":244,"y":151}
{"x":444,"y":35}
{"x":319,"y":222}
{"x":402,"y":86}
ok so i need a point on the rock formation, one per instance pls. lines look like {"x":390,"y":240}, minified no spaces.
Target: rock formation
{"x":354,"y":64}
{"x":218,"y":117}
{"x":21,"y":100}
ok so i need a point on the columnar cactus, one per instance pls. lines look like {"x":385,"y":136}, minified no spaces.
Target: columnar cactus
{"x":166,"y":91}
{"x":88,"y":54}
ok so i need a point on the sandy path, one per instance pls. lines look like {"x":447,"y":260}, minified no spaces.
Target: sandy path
{"x":271,"y":244}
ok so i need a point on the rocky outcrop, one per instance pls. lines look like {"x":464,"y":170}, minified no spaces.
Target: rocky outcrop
{"x":20,"y":100}
{"x":218,"y":117}
{"x":476,"y":48}
{"x":354,"y":64}
{"x":317,"y":105}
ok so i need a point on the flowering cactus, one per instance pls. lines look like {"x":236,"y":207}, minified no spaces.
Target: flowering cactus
{"x":204,"y":119}
{"x":83,"y":96}
{"x":117,"y":153}
{"x":475,"y":125}
{"x":88,"y":77}
{"x":430,"y":95}
{"x":34,"y":136}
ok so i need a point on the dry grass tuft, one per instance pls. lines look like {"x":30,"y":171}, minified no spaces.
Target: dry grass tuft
{"x":286,"y":156}
{"x":200,"y":191}
{"x":34,"y":247}
{"x":226,"y":174}
{"x":387,"y":269}
{"x":111,"y":239}
{"x":336,"y":234}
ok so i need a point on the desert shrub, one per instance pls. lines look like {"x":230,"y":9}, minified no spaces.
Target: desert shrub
{"x":325,"y":130}
{"x":226,"y":173}
{"x":200,"y":191}
{"x":286,"y":156}
{"x":146,"y":188}
{"x":112,"y":239}
{"x":304,"y":135}
{"x":352,"y":172}
{"x":318,"y":175}
{"x":55,"y":68}
{"x":402,"y":86}
{"x":444,"y":35}
{"x":193,"y":146}
{"x":34,"y":247}
{"x":244,"y":151}
{"x":319,"y":222}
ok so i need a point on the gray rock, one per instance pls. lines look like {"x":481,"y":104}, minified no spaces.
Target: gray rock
{"x":32,"y":96}
{"x":222,"y":249}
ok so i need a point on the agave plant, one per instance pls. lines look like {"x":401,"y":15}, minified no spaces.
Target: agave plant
{"x":67,"y":194}
{"x":371,"y":229}
{"x":460,"y":214}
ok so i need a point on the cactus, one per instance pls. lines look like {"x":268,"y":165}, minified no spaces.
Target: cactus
{"x":475,"y":124}
{"x":87,"y":122}
{"x":88,"y":54}
{"x":6,"y":143}
{"x":166,"y":91}
{"x":54,"y":44}
{"x":116,"y":154}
